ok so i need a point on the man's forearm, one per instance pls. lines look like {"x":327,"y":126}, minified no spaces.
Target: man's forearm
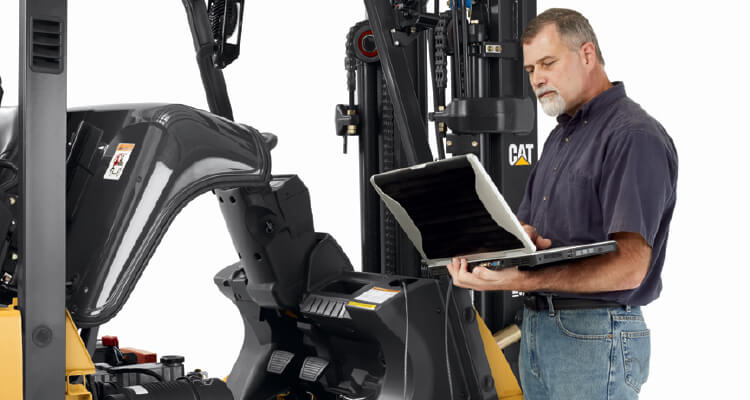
{"x":621,"y":270}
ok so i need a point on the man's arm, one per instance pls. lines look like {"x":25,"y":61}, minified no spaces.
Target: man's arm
{"x":623,"y":269}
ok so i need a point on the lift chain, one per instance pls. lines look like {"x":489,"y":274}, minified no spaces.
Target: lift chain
{"x":441,"y":39}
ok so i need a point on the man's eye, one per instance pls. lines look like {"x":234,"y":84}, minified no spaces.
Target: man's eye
{"x":547,"y":64}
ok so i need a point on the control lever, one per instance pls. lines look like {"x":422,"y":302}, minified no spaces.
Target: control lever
{"x":346,"y":122}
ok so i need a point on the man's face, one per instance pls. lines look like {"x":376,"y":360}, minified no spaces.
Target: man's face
{"x":556,"y":73}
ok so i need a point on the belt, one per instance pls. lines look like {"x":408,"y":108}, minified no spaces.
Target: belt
{"x":539,"y":303}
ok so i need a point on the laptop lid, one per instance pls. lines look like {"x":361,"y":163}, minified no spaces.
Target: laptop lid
{"x":451,"y":207}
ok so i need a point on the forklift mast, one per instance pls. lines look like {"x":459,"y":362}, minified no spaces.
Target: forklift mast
{"x":42,"y":151}
{"x":475,"y":50}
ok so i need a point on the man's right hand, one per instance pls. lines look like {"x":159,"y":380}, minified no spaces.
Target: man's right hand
{"x":540,"y":242}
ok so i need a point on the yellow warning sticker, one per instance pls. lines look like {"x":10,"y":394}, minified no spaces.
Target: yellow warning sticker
{"x":125,"y":147}
{"x":361,"y":305}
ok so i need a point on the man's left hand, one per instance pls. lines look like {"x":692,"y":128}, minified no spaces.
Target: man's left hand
{"x":481,"y":278}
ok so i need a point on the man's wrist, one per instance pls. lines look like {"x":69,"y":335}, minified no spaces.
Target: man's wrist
{"x":529,"y":281}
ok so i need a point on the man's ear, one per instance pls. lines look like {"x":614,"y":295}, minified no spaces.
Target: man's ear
{"x":588,"y":54}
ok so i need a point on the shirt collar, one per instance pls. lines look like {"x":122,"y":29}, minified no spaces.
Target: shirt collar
{"x":597,"y":104}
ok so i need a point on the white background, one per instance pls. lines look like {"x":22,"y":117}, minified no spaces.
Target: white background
{"x":684,"y":61}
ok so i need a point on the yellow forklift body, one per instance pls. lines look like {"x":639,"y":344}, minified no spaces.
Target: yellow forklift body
{"x":77,"y":362}
{"x":11,"y":353}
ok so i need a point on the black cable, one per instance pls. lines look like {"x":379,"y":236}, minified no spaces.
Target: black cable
{"x":447,"y":356}
{"x":136,"y":371}
{"x":406,"y":338}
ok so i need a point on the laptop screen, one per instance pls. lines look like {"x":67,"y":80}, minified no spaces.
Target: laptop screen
{"x":441,"y":200}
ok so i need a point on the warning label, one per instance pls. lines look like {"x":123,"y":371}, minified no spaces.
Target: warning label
{"x":119,"y":160}
{"x":377,"y":295}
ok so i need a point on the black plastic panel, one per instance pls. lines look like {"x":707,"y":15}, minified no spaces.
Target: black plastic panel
{"x":178,"y":153}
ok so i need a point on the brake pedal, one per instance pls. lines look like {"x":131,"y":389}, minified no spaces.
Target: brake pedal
{"x":312,"y":368}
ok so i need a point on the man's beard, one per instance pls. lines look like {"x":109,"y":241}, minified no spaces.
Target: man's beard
{"x":553,"y":104}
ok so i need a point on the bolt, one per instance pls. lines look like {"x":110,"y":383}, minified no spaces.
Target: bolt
{"x":413,"y":29}
{"x":7,"y":278}
{"x":393,"y":30}
{"x":351,"y":129}
{"x":14,"y":256}
{"x":42,"y":336}
{"x":449,"y":143}
{"x":396,"y":43}
{"x":474,"y":143}
{"x":12,"y":200}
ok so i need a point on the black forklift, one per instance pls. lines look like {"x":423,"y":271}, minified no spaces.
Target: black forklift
{"x":98,"y":187}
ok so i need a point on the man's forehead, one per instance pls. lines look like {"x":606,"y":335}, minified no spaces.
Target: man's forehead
{"x":545,"y":43}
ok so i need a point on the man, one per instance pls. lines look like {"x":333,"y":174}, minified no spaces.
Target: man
{"x":608,"y":171}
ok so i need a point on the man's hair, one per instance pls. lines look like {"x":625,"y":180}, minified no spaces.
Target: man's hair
{"x":574,"y":29}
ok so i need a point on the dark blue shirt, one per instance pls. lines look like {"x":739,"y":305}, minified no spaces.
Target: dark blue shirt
{"x":609,"y":168}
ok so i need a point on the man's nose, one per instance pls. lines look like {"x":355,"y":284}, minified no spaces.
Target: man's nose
{"x":538,"y":79}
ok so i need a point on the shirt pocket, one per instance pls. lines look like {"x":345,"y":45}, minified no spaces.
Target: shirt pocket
{"x":579,"y":207}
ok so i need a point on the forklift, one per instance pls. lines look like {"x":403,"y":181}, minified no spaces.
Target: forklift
{"x":99,"y":186}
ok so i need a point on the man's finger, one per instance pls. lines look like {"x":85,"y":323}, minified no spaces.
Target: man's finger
{"x":449,"y":266}
{"x":531,"y":231}
{"x":543,"y":243}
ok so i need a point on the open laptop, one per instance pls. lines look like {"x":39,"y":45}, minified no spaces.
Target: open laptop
{"x":452,"y":208}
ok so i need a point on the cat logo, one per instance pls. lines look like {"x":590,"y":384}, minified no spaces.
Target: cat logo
{"x":520,"y":154}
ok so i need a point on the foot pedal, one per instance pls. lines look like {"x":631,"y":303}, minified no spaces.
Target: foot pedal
{"x":312,"y":367}
{"x":278,"y":361}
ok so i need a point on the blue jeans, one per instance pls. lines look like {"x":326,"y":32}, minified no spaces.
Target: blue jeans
{"x":600,"y":353}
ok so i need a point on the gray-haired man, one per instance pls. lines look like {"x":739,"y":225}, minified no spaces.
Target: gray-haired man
{"x":608,"y":171}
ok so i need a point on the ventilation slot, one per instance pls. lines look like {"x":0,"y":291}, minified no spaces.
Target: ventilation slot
{"x":47,"y":49}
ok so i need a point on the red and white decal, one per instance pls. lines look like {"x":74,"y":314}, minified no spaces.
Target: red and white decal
{"x":117,"y":164}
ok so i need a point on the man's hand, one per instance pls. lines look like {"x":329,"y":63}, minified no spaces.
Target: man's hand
{"x":540,"y":242}
{"x":481,"y":278}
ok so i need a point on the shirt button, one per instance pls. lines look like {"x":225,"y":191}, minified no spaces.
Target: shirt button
{"x":554,"y":169}
{"x":585,"y":121}
{"x":566,"y":140}
{"x":544,"y":198}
